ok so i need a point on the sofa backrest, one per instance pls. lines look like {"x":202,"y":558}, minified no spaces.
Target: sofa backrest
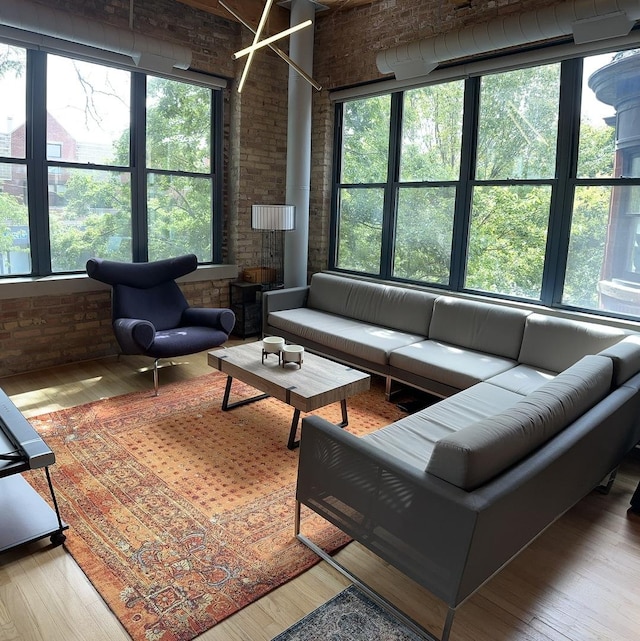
{"x":626,"y":358}
{"x":494,"y":329}
{"x":554,"y":344}
{"x":407,"y":310}
{"x":473,"y":455}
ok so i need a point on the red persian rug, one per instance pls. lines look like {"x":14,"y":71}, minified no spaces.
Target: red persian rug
{"x":181,"y":514}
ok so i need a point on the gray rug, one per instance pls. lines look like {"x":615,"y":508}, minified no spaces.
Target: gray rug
{"x":349,"y":616}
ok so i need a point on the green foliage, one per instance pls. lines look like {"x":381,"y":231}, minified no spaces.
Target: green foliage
{"x":588,"y":238}
{"x":518,"y":124}
{"x":95,"y":221}
{"x":423,"y":234}
{"x":365,"y":145}
{"x":13,"y":213}
{"x":432,"y":133}
{"x":360,"y":236}
{"x":507,"y":239}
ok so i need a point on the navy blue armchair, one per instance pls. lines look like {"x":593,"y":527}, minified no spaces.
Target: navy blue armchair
{"x":150,"y":314}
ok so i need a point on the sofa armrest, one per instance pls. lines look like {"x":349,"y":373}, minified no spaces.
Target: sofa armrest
{"x":421,"y":525}
{"x":279,"y":299}
{"x":214,"y":317}
{"x":134,"y":336}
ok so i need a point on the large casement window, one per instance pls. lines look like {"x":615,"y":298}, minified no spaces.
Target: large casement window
{"x":522,"y":184}
{"x":101,"y":161}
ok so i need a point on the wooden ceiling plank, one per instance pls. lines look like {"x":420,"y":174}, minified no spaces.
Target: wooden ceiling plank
{"x":250,"y":10}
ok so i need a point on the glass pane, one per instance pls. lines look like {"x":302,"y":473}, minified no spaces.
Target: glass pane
{"x":179,"y":217}
{"x":597,"y":122}
{"x":13,"y":65}
{"x":518,"y":124}
{"x":604,"y":267}
{"x":609,"y":116}
{"x":507,"y":240}
{"x":178,"y":126}
{"x":365,"y":140}
{"x":15,"y":257}
{"x":90,"y":216}
{"x":587,"y":246}
{"x":423,"y":234}
{"x":360,"y":230}
{"x":88,"y":112}
{"x":432,"y":133}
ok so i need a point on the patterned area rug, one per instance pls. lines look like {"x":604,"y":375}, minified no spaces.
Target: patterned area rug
{"x":181,"y":514}
{"x":349,"y":616}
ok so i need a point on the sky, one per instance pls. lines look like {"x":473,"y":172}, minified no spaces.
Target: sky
{"x":67,"y":97}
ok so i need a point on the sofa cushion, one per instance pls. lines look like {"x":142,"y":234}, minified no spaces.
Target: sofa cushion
{"x":493,"y":329}
{"x":412,"y":439}
{"x":407,"y":310}
{"x":473,"y":455}
{"x":554,"y":344}
{"x":448,"y":364}
{"x":359,"y":339}
{"x":522,"y":379}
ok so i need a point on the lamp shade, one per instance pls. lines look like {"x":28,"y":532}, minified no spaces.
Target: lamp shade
{"x":272,"y":217}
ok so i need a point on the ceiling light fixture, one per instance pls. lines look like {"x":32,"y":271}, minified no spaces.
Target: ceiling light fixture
{"x":267,"y":42}
{"x":277,"y":50}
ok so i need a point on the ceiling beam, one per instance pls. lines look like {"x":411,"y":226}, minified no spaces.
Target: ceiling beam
{"x":249,"y":10}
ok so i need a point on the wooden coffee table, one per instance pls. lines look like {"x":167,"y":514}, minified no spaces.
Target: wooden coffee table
{"x":317,"y":383}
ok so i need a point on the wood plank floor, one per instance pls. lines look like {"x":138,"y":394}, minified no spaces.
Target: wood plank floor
{"x":579,"y":581}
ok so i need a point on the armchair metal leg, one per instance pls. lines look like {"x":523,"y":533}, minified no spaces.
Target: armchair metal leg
{"x":155,"y":377}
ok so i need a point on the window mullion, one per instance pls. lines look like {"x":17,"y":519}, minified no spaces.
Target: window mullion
{"x":391,"y":188}
{"x":217,"y":127}
{"x":139,"y":234}
{"x":465,"y":187}
{"x":562,"y":192}
{"x":336,"y":172}
{"x":36,"y":136}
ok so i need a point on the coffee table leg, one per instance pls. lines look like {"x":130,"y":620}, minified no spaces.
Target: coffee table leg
{"x":345,"y":418}
{"x":292,"y":443}
{"x":245,"y":401}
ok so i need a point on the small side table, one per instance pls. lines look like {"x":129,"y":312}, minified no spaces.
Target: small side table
{"x":247,"y":307}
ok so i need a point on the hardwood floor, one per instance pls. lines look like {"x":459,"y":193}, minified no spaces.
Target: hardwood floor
{"x":578,"y":581}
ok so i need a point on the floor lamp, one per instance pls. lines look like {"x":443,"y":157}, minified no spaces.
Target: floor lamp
{"x":272,"y":221}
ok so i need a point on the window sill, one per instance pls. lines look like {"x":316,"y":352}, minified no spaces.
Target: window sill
{"x":28,"y":287}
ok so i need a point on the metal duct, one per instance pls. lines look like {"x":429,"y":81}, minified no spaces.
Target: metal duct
{"x":145,"y":51}
{"x":586,"y":20}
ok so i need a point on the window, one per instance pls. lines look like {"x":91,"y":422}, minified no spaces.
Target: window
{"x":430,"y":151}
{"x":495,"y":185}
{"x":515,"y":168}
{"x":15,"y":240}
{"x":129,"y":160}
{"x":363,"y":177}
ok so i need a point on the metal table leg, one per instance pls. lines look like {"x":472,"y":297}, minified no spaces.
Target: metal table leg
{"x":229,"y":406}
{"x":292,"y":443}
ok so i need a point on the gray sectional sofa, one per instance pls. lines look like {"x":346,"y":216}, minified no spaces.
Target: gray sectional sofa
{"x":537,"y":410}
